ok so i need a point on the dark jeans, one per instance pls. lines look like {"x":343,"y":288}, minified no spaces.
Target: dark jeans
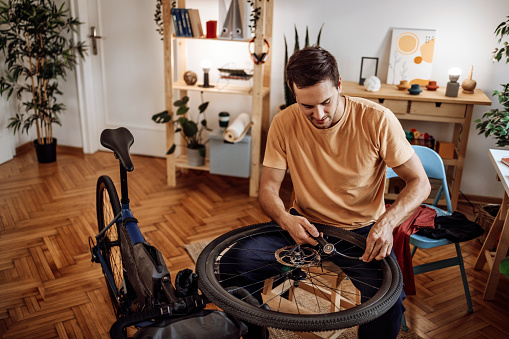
{"x":253,"y":261}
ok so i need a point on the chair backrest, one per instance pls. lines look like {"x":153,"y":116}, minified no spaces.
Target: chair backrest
{"x":434,"y":167}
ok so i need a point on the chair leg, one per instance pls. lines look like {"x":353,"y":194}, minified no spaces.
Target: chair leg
{"x":404,"y":327}
{"x":412,"y":252}
{"x":464,"y":278}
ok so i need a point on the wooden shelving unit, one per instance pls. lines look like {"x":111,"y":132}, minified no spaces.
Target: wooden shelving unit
{"x":259,"y":91}
{"x":431,"y":106}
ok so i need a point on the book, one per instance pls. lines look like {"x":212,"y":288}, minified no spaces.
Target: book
{"x":188,"y":23}
{"x":197,"y":28}
{"x":505,"y":161}
{"x":177,"y":22}
{"x":185,"y":27}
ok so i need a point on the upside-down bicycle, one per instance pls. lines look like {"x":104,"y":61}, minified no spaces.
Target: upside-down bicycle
{"x":305,"y":290}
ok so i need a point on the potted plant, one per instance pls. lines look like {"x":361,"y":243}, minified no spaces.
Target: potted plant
{"x":289,"y":97}
{"x":39,"y":51}
{"x":495,"y":123}
{"x":191,"y":131}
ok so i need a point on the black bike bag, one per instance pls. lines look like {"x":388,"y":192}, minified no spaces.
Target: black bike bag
{"x":146,"y":273}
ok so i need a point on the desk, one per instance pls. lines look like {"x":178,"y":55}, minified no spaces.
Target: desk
{"x":431,"y":106}
{"x":500,"y":228}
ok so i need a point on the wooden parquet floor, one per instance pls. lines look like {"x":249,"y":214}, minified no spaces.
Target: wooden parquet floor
{"x":49,"y":288}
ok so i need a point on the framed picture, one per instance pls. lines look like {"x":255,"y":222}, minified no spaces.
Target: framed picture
{"x":369,"y":67}
{"x":411,"y":56}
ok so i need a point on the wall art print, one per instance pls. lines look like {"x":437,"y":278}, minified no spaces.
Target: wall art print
{"x":411,"y":56}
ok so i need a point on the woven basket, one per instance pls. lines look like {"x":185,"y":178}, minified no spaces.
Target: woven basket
{"x":487,"y":214}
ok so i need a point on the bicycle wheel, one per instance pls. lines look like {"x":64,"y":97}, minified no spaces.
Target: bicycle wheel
{"x":308,"y":267}
{"x":108,"y":206}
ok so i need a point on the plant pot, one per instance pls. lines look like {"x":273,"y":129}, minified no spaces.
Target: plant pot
{"x":196,"y":156}
{"x":46,"y":153}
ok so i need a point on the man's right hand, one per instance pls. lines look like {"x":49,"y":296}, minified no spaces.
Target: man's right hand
{"x":300,"y":229}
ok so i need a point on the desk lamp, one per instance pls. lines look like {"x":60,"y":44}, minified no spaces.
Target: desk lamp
{"x":453,"y":85}
{"x":205,"y":65}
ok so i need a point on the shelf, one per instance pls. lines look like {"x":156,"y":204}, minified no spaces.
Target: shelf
{"x":209,"y":39}
{"x":181,"y":161}
{"x":219,"y":88}
{"x":176,"y":56}
{"x":390,"y":92}
{"x":421,"y":117}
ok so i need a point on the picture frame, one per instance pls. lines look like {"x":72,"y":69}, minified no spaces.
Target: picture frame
{"x":369,"y":67}
{"x":411,"y":56}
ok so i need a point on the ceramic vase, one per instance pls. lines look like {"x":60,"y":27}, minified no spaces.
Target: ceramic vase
{"x":415,"y":89}
{"x":403,"y":85}
{"x":432,"y":86}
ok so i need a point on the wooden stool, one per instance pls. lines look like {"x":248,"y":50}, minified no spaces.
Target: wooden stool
{"x":333,"y":280}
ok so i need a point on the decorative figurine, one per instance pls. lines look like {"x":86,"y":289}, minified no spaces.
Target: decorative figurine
{"x":432,"y":86}
{"x":403,"y":85}
{"x":190,"y":78}
{"x":468,"y":84}
{"x":415,"y":89}
{"x":372,"y":84}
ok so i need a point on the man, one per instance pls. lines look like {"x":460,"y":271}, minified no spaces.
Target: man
{"x":337,"y":150}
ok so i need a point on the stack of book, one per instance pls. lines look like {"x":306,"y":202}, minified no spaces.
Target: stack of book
{"x":186,"y":22}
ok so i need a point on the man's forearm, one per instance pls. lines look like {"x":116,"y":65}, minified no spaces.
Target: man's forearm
{"x":272,"y":205}
{"x":411,"y":197}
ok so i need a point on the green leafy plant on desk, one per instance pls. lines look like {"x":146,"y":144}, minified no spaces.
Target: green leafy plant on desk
{"x":495,"y":123}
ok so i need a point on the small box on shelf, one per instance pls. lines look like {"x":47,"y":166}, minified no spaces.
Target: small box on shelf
{"x":233,"y":159}
{"x":445,"y":149}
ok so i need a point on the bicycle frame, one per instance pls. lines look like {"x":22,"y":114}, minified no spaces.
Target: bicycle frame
{"x":131,"y":224}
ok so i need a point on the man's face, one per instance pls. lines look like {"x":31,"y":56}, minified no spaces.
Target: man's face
{"x":319,"y":103}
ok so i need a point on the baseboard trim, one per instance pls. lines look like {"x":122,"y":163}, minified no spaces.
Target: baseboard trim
{"x":24,"y":148}
{"x":479,"y":199}
{"x":29,"y":146}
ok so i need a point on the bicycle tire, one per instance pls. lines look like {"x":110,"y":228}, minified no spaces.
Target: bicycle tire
{"x":210,"y":285}
{"x":108,"y":206}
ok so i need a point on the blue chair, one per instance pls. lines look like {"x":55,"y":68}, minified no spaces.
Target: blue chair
{"x":434,"y":168}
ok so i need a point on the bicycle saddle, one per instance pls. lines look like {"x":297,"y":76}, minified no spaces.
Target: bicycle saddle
{"x":119,"y":141}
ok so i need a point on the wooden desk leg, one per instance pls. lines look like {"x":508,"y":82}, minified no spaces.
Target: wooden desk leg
{"x":500,"y":227}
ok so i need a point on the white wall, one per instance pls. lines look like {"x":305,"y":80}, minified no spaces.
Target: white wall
{"x":354,"y":29}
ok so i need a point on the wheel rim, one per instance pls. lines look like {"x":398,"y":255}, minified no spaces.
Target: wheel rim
{"x":112,"y":243}
{"x":295,"y":270}
{"x":108,"y":206}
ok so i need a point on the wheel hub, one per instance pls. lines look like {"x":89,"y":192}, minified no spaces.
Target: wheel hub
{"x":297,"y":256}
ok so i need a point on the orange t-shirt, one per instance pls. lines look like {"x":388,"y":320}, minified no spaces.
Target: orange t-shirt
{"x":338,"y":173}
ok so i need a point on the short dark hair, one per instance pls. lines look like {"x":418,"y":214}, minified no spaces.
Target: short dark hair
{"x":310,"y":66}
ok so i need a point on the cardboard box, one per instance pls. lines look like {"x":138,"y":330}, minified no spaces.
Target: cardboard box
{"x":227,"y":158}
{"x":445,"y":149}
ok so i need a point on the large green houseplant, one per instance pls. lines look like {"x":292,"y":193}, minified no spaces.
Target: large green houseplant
{"x":495,"y":123}
{"x":35,"y":37}
{"x":191,"y":131}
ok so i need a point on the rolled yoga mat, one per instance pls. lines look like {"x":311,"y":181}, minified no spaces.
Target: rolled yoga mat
{"x":236,"y":131}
